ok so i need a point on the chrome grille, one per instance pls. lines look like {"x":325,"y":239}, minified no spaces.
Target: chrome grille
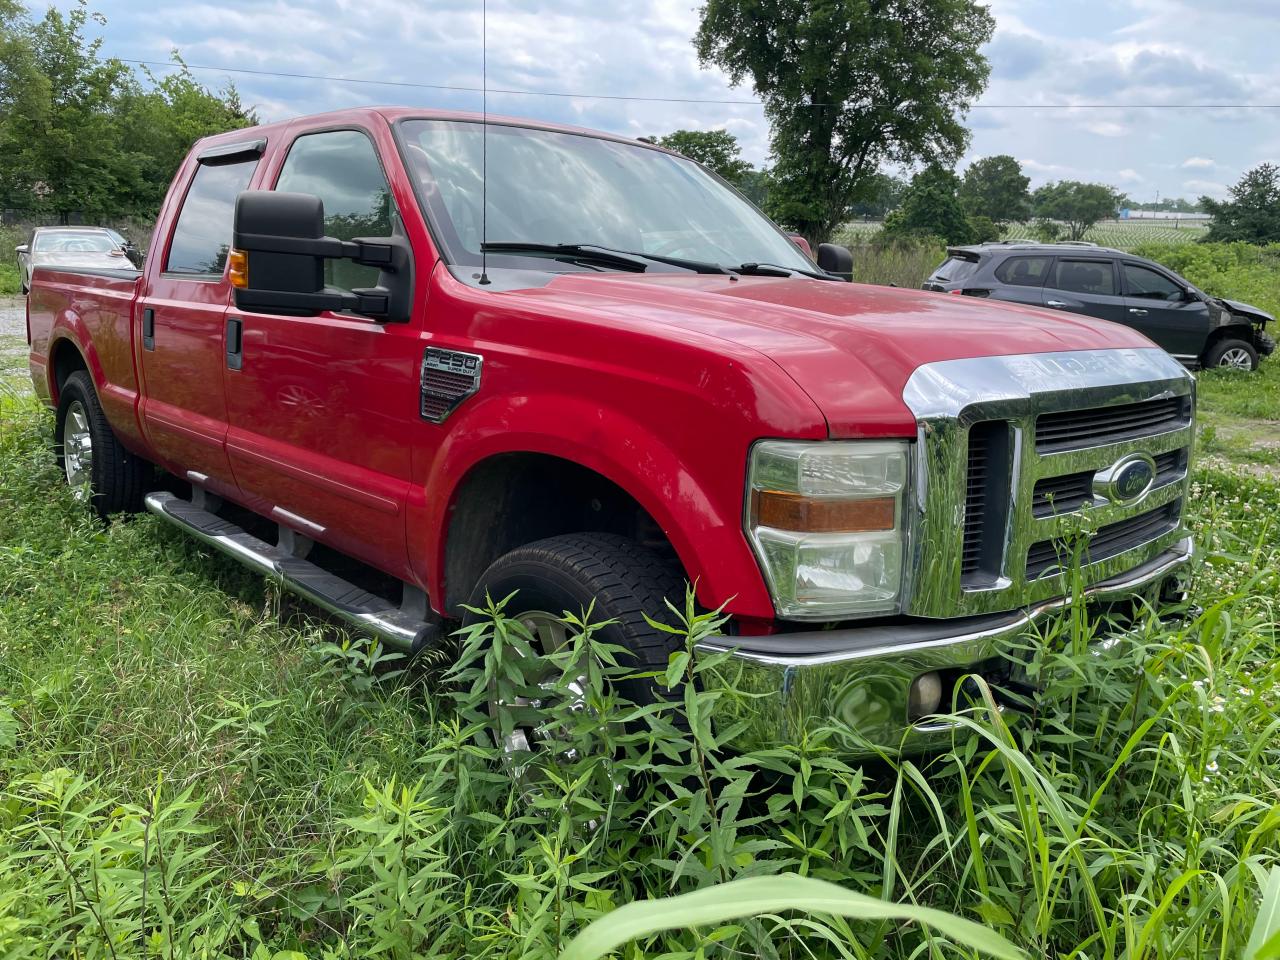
{"x":1075,"y":429}
{"x":1050,"y":556}
{"x":987,"y":531}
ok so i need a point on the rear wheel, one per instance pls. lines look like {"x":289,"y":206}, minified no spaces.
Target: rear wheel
{"x":96,"y":465}
{"x":568,"y":573}
{"x":1232,"y":355}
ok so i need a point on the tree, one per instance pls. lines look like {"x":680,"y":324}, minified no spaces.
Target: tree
{"x":1252,"y":214}
{"x":848,"y":86}
{"x":717,"y":150}
{"x":1077,"y":206}
{"x":931,"y":208}
{"x":79,"y":133}
{"x":876,"y":196}
{"x":755,"y":185}
{"x":996,"y":188}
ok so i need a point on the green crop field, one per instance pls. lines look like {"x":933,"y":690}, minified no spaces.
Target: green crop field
{"x":192,"y":768}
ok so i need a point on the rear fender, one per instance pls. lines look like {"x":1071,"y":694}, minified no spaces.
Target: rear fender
{"x":118,"y":402}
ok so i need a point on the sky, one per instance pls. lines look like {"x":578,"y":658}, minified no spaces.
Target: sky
{"x":1045,"y":54}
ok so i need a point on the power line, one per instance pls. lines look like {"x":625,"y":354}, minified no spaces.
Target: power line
{"x":455,"y":88}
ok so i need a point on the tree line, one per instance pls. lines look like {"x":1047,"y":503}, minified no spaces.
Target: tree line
{"x":85,"y":135}
{"x":850,"y":90}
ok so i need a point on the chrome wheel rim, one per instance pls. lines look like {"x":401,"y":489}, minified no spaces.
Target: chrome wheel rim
{"x":1237,"y":358}
{"x":77,"y":449}
{"x":519,"y":727}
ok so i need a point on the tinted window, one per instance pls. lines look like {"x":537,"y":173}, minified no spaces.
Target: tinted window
{"x":1024,"y":271}
{"x":1141,"y":282}
{"x":1084,"y":276}
{"x":203,"y":234}
{"x":341,"y":168}
{"x":955,"y":268}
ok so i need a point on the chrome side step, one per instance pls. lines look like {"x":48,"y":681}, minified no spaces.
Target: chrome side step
{"x":402,"y":628}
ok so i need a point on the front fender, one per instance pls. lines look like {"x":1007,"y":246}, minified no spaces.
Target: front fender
{"x":699,"y":512}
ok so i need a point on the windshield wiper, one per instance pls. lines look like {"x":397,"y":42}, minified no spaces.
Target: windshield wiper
{"x":593,"y":252}
{"x":570,"y":251}
{"x":777,"y":270}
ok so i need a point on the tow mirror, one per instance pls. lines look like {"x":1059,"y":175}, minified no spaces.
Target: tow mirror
{"x":278,"y":254}
{"x":836,"y":259}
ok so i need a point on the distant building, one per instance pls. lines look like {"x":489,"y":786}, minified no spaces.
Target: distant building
{"x":1164,"y":215}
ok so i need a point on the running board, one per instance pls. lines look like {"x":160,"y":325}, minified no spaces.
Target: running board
{"x":395,"y":626}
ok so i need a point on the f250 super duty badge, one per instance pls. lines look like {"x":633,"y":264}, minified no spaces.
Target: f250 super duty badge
{"x":448,"y":378}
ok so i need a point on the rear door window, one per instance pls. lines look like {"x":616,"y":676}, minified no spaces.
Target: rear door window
{"x":202,"y":235}
{"x":1148,"y":284}
{"x":1024,"y":271}
{"x":1094,"y":277}
{"x":955,"y":268}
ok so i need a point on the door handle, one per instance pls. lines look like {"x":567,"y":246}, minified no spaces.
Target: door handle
{"x":1054,"y":303}
{"x":148,"y":329}
{"x":235,"y":343}
{"x":1137,"y":312}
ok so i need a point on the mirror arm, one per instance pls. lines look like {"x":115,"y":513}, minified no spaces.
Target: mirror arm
{"x":364,"y":251}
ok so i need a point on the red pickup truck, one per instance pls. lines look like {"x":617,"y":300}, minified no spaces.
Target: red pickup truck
{"x":405,"y":358}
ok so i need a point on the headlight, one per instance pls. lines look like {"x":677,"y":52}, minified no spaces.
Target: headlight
{"x":825,"y":519}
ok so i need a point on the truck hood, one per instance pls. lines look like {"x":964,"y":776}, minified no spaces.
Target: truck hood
{"x":851,"y":347}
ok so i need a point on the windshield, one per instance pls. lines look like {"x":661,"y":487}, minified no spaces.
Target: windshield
{"x":73,"y":241}
{"x":547,"y":187}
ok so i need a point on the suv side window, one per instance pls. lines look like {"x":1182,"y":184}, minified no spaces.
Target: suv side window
{"x":1024,"y":271}
{"x":1094,"y":277}
{"x":202,"y":235}
{"x":341,"y":168}
{"x":1145,"y":283}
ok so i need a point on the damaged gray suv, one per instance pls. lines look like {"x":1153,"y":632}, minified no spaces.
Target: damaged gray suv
{"x":1199,"y":330}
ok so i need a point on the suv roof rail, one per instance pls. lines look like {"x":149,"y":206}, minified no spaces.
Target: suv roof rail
{"x":1076,"y":243}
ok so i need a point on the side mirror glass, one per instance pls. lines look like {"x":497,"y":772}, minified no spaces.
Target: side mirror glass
{"x":280,"y":237}
{"x":836,"y":259}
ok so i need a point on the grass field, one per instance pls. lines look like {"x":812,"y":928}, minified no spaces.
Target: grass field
{"x":1122,"y":235}
{"x":185,"y":774}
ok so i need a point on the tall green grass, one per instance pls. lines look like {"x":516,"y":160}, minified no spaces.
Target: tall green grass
{"x":182,"y":775}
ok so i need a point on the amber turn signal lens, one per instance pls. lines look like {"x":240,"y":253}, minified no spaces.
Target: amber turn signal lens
{"x":794,"y":511}
{"x":238,"y":268}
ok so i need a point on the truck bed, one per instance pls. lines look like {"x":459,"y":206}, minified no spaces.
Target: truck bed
{"x":92,"y":312}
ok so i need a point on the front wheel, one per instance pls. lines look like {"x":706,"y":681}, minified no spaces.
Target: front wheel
{"x":567,"y":573}
{"x":1232,"y":355}
{"x":96,"y":465}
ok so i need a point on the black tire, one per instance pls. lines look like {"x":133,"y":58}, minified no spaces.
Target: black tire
{"x":117,"y":479}
{"x":1230,"y":353}
{"x":625,"y":580}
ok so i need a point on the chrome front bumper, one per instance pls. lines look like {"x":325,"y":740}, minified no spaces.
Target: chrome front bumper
{"x":788,"y":683}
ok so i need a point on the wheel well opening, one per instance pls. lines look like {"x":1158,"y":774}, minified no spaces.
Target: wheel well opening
{"x":514,"y":499}
{"x":1235,"y":331}
{"x":66,"y":361}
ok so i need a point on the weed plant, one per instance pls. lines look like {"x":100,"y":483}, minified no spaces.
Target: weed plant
{"x":181,"y":776}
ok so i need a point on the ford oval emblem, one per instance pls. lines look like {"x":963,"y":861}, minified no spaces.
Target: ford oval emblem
{"x":1127,"y":480}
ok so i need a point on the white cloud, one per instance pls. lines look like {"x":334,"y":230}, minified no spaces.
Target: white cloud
{"x":1205,"y":188}
{"x":1129,"y":175}
{"x":1198,"y":163}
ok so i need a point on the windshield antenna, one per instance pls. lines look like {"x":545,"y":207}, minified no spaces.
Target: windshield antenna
{"x":484,"y":142}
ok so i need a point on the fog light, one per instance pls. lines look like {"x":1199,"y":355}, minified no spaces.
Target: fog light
{"x":925,"y":696}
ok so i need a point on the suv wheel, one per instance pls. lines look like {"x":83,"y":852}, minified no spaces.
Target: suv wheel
{"x":1232,"y":355}
{"x":568,"y":572}
{"x":92,"y":459}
